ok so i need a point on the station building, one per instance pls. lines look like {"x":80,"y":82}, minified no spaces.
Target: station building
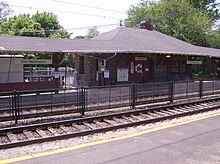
{"x":134,"y":55}
{"x":121,"y":56}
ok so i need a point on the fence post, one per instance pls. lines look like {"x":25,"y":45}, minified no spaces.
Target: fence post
{"x":200,"y":89}
{"x":15,"y":102}
{"x":18,"y":108}
{"x":83,"y":101}
{"x":171,"y":91}
{"x":133,"y":96}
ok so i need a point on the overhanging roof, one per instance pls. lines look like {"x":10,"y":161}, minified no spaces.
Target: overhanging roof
{"x":120,"y":40}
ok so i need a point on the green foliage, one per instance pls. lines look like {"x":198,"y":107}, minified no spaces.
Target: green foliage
{"x":38,"y":25}
{"x":214,"y":38}
{"x":92,"y":32}
{"x":203,"y":76}
{"x":21,"y":25}
{"x":138,"y":12}
{"x":50,"y":24}
{"x":177,"y":18}
{"x":79,"y":37}
{"x":210,"y":6}
{"x":68,"y":61}
{"x":43,"y":24}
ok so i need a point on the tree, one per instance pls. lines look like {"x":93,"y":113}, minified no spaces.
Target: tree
{"x":21,"y":25}
{"x":92,"y":32}
{"x":68,"y":61}
{"x":138,"y":13}
{"x":177,"y":18}
{"x":214,"y":38}
{"x":43,"y":24}
{"x":4,"y":11}
{"x":210,"y":6}
{"x":50,"y":25}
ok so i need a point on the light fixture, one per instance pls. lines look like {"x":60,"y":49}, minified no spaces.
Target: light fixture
{"x":168,"y":56}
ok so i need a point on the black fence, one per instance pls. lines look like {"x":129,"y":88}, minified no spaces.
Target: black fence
{"x":42,"y":103}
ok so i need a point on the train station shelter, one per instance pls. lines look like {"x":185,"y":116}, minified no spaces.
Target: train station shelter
{"x":124,"y":55}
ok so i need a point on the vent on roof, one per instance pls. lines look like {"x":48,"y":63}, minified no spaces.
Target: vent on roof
{"x":145,"y":24}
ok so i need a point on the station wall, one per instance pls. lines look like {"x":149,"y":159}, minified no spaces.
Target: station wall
{"x":10,"y":73}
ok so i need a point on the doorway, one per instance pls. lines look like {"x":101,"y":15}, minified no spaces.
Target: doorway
{"x":140,"y":69}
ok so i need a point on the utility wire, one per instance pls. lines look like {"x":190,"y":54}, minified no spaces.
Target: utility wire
{"x":107,"y":25}
{"x":70,"y":29}
{"x":69,"y":12}
{"x":94,"y":7}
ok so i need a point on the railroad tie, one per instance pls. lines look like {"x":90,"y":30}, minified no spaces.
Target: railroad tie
{"x":88,"y":125}
{"x":136,"y":117}
{"x":77,"y":127}
{"x":110,"y":122}
{"x":53,"y":131}
{"x":98,"y":123}
{"x":65,"y":129}
{"x":29,"y":135}
{"x":12,"y":137}
{"x":42,"y":133}
{"x":127,"y":119}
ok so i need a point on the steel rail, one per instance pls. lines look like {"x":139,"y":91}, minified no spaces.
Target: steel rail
{"x":103,"y":117}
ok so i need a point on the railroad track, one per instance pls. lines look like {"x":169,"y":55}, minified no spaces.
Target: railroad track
{"x":37,"y":133}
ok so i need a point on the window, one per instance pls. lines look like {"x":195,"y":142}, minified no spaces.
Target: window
{"x":81,"y":65}
{"x":174,"y":67}
{"x":184,"y":67}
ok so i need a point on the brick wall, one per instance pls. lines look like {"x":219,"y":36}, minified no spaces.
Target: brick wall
{"x":159,"y":68}
{"x":88,"y":78}
{"x":119,"y":61}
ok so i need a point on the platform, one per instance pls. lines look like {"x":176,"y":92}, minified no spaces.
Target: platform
{"x":196,"y":141}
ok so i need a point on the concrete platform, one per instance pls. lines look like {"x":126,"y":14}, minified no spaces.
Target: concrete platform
{"x":196,"y":141}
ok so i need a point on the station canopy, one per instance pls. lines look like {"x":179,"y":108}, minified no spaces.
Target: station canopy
{"x":120,"y":40}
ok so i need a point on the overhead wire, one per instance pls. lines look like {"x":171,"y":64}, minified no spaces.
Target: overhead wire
{"x":69,"y":29}
{"x":99,"y":26}
{"x":88,"y":6}
{"x":63,"y":11}
{"x":71,"y":12}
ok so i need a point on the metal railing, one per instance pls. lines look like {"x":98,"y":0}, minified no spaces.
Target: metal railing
{"x":42,"y":103}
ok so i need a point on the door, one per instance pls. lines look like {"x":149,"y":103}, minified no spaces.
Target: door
{"x":140,"y":70}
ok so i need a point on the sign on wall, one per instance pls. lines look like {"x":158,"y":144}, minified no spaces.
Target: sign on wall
{"x":141,"y":58}
{"x":106,"y":74}
{"x":122,"y":74}
{"x":194,"y":62}
{"x":33,"y":61}
{"x":56,"y":75}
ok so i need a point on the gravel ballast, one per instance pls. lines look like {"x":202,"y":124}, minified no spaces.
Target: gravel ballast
{"x":48,"y":146}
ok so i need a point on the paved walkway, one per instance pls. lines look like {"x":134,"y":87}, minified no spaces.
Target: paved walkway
{"x":191,"y":142}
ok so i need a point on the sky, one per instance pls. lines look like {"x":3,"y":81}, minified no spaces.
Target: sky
{"x":77,"y":16}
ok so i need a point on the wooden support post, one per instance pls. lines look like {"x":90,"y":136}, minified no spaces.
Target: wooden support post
{"x":189,"y":68}
{"x":218,"y":68}
{"x":57,"y":60}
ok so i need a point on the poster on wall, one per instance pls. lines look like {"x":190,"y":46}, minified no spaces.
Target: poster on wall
{"x":56,"y":75}
{"x":97,"y":75}
{"x":122,"y":74}
{"x":106,"y":74}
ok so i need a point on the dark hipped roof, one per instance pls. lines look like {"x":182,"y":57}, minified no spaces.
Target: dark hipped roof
{"x":120,"y":40}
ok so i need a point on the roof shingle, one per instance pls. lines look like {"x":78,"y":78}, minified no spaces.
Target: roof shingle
{"x":120,"y":40}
